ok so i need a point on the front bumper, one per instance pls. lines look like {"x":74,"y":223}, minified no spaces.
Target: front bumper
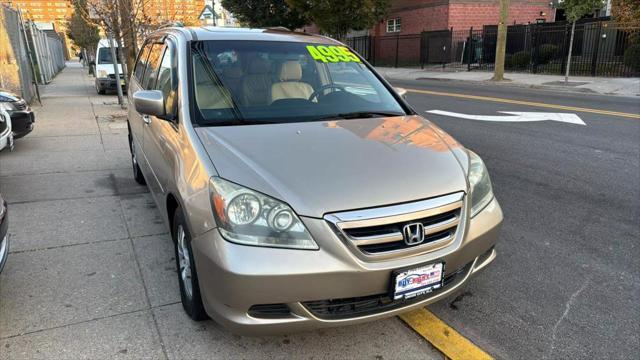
{"x":233,"y":278}
{"x":110,"y":84}
{"x":22,"y":122}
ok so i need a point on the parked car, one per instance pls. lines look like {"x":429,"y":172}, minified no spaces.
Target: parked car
{"x":299,"y":197}
{"x":104,"y":69}
{"x":4,"y":233}
{"x":22,"y":117}
{"x":6,"y":133}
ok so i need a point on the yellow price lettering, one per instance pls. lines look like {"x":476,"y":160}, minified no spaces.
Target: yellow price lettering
{"x":345,"y":50}
{"x":315,"y":54}
{"x":332,"y":54}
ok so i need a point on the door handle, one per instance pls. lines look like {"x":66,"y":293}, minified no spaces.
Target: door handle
{"x":146,"y":119}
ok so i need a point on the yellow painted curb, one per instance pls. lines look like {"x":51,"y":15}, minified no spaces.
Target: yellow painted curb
{"x":444,"y":338}
{"x":528,"y":103}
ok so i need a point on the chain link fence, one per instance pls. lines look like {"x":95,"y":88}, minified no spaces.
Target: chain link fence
{"x":28,"y":56}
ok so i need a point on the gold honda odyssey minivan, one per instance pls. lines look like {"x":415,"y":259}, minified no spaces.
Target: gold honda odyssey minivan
{"x":300,"y":189}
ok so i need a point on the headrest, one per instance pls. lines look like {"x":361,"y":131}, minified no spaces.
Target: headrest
{"x":290,"y":71}
{"x":258,"y":66}
{"x":232,"y":72}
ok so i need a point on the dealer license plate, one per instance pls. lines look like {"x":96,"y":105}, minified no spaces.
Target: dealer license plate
{"x":418,"y":281}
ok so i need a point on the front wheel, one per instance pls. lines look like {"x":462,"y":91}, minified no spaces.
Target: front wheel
{"x":99,"y":88}
{"x":137,"y":173}
{"x":187,"y":275}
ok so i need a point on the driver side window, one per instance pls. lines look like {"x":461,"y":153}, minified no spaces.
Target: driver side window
{"x":167,"y":81}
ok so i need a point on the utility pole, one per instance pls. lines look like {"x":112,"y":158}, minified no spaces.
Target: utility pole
{"x":116,"y":71}
{"x":502,"y":41}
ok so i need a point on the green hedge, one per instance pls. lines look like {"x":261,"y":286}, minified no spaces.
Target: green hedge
{"x":518,"y":61}
{"x":547,"y":52}
{"x":632,"y":57}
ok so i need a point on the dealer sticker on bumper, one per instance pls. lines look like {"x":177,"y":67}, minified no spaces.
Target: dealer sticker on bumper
{"x":418,"y":281}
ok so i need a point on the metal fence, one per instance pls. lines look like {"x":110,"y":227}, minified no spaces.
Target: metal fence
{"x":598,"y":49}
{"x":28,"y":56}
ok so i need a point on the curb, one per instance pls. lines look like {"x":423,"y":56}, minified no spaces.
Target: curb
{"x":509,"y":83}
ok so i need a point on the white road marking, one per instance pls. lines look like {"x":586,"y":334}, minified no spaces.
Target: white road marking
{"x":516,"y":116}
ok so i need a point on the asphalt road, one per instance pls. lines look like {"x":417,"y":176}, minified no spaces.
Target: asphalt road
{"x":566,"y":283}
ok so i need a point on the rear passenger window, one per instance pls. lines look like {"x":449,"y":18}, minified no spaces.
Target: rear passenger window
{"x":151,"y":72}
{"x":141,"y":65}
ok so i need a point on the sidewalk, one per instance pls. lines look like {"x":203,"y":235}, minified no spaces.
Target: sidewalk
{"x":583,"y":84}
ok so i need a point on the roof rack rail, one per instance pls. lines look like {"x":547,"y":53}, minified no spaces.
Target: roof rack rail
{"x":172,"y":24}
{"x":279,"y":28}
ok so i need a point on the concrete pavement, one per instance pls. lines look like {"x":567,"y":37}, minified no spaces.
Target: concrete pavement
{"x":91,"y":273}
{"x":583,"y":84}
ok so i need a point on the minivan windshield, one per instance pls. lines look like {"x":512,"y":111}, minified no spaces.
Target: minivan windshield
{"x":255,"y":82}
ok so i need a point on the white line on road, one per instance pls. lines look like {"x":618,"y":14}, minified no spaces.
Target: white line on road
{"x":516,"y":116}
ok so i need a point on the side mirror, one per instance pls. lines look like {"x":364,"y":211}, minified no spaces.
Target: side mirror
{"x":149,"y":102}
{"x":402,"y":92}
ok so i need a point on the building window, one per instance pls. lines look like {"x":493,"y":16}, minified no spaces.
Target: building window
{"x":394,"y":25}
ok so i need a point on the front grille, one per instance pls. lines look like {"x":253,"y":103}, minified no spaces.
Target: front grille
{"x":448,"y":220}
{"x":113,"y":76}
{"x":366,"y":305}
{"x":380,"y":231}
{"x":269,"y":311}
{"x":20,"y":105}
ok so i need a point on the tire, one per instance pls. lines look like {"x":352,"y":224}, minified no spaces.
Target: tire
{"x":186,"y":269}
{"x":99,"y":88}
{"x":137,"y":173}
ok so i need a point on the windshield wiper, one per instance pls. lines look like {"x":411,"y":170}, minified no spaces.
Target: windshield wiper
{"x":361,"y":115}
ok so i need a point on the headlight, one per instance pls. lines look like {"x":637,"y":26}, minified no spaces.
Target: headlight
{"x":247,"y":217}
{"x":103,"y":74}
{"x":481,"y":191}
{"x":7,"y":106}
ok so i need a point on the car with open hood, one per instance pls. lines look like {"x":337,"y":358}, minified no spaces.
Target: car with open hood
{"x":6,"y":131}
{"x":22,"y":117}
{"x":301,"y":190}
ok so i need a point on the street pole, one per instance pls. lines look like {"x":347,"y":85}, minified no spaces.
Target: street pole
{"x":566,"y":71}
{"x":502,"y":41}
{"x":116,"y":71}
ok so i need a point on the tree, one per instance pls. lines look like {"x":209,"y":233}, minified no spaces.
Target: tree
{"x":83,"y":33}
{"x":337,"y":17}
{"x":627,"y":14}
{"x":575,"y":10}
{"x":501,"y":45}
{"x":265,"y":13}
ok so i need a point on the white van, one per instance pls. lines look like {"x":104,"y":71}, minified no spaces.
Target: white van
{"x":105,"y":76}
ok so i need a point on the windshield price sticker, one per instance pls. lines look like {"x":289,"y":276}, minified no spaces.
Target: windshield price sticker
{"x":332,"y":54}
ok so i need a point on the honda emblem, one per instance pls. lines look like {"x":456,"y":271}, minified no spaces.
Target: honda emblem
{"x":413,"y":233}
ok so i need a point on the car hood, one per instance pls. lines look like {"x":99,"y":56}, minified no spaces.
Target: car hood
{"x":323,"y":167}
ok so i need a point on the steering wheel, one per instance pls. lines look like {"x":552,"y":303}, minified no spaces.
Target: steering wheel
{"x":323,"y":88}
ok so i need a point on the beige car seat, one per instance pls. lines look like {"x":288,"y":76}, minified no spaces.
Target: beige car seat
{"x":290,"y":86}
{"x":256,"y":85}
{"x":208,"y":94}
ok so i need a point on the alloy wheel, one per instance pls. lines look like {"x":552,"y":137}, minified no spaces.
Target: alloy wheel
{"x":184,"y":260}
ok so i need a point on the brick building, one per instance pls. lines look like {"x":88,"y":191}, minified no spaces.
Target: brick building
{"x":415,"y":16}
